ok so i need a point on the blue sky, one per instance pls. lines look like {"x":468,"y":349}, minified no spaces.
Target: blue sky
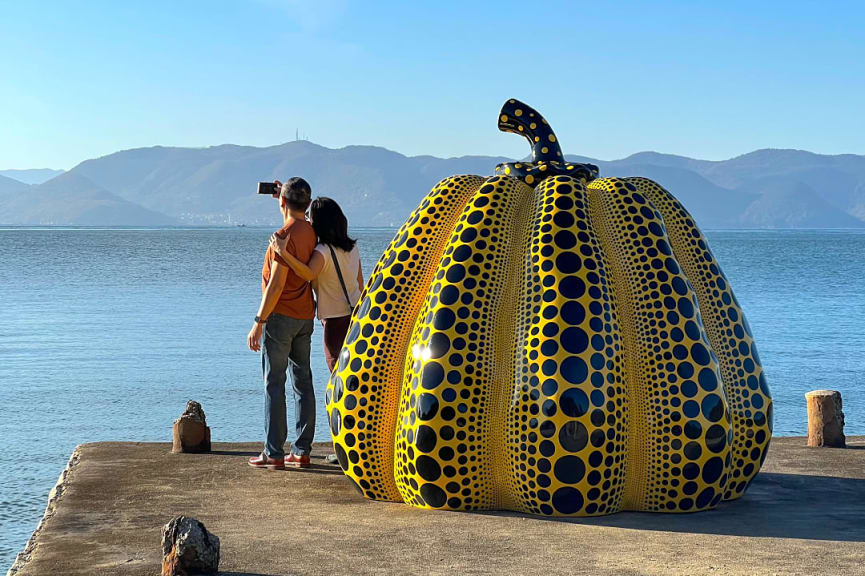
{"x":84,"y":79}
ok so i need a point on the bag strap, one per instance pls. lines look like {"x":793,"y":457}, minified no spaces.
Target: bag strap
{"x":339,"y":273}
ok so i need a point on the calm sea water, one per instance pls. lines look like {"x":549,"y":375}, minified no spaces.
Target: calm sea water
{"x":105,"y":334}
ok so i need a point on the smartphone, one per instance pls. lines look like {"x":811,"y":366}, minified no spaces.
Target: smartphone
{"x":268,"y":188}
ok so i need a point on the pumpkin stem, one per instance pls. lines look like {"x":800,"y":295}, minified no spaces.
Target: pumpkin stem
{"x":521,"y":119}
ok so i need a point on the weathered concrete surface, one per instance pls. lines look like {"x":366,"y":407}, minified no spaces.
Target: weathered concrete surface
{"x":804,"y":514}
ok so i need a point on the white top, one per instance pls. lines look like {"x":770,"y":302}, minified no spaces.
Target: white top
{"x":328,"y":290}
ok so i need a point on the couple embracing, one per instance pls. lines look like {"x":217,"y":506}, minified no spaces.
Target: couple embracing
{"x":303,"y":257}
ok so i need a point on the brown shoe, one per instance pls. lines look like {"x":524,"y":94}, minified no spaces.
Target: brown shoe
{"x":265,"y":463}
{"x":297,"y":461}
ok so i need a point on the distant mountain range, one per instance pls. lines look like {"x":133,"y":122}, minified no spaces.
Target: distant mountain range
{"x":378,"y":187}
{"x":31,"y":176}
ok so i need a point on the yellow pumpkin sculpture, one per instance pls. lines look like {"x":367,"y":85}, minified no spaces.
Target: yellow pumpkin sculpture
{"x":549,"y":342}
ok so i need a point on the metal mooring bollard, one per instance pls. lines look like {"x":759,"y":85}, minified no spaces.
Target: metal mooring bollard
{"x":825,"y":419}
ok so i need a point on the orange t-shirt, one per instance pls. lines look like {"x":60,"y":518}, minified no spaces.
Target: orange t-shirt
{"x":296,"y":298}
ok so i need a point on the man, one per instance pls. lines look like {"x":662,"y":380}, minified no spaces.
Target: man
{"x":285,"y":316}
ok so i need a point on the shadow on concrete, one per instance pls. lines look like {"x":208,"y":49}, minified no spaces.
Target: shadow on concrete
{"x":775,"y":505}
{"x":246,"y":453}
{"x":317,"y":469}
{"x":314,"y":468}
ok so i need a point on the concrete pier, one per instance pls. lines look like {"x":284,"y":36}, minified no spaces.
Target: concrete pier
{"x":804,"y":514}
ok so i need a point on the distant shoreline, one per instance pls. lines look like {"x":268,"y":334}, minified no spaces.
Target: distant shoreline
{"x":5,"y":228}
{"x":191,"y":227}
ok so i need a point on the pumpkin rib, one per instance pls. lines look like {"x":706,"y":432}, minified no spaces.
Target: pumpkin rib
{"x":728,"y":332}
{"x":567,"y":419}
{"x":447,"y":420}
{"x":515,"y":425}
{"x":505,"y":380}
{"x":636,"y":467}
{"x":686,"y":459}
{"x":363,"y":392}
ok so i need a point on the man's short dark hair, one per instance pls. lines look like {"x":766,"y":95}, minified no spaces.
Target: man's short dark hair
{"x":297,"y":193}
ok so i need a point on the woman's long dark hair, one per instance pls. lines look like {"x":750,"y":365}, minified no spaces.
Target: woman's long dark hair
{"x":330,"y":224}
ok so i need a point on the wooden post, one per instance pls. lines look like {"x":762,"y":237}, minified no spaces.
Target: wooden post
{"x":825,"y":419}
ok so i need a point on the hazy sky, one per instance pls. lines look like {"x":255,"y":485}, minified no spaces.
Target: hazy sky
{"x":84,"y":79}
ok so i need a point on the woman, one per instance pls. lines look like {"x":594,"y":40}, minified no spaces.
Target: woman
{"x":336,"y":254}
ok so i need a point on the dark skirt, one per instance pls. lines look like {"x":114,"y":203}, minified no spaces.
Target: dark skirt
{"x":335,"y":330}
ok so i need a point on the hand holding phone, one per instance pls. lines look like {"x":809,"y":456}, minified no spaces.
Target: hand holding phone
{"x":271,"y":188}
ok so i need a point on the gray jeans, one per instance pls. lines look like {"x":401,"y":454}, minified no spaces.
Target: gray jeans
{"x":286,"y":344}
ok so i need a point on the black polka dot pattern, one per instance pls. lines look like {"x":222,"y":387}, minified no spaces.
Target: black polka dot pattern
{"x":450,"y":431}
{"x":672,"y":374}
{"x":560,"y":347}
{"x":363,"y":393}
{"x":567,"y":422}
{"x":744,"y":382}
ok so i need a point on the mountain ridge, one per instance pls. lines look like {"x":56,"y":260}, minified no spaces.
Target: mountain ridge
{"x":73,"y":200}
{"x":766,"y":188}
{"x":32,"y":175}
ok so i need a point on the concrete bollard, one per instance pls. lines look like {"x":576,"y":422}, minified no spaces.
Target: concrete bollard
{"x":825,"y":419}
